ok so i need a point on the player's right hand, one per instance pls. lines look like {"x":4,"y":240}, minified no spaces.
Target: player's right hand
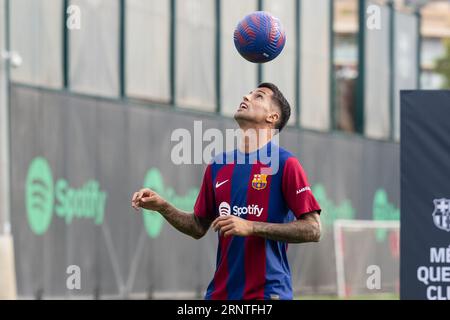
{"x":147,"y":199}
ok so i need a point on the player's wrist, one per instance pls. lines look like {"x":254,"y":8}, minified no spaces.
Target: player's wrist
{"x":253,"y":228}
{"x":164,"y":208}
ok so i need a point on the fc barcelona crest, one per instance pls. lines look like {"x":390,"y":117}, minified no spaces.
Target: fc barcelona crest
{"x":441,"y":214}
{"x":259,"y":181}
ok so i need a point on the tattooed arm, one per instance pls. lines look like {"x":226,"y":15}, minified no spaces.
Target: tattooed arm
{"x":184,"y":222}
{"x":306,"y":229}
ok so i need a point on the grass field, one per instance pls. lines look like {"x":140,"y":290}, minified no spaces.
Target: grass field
{"x":380,"y":296}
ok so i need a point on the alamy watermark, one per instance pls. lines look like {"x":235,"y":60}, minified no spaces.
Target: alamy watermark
{"x":73,"y":21}
{"x":203,"y":146}
{"x":373,"y":282}
{"x":373,"y":21}
{"x":73,"y":281}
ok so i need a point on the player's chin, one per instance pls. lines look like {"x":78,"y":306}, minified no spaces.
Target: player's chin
{"x":242,"y":115}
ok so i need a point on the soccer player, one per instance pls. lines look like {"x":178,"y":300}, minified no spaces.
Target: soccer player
{"x":255,"y":214}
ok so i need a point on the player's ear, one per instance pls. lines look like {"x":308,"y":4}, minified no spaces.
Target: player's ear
{"x":273,"y":117}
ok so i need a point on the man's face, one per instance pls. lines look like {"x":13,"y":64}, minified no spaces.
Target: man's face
{"x":257,"y":109}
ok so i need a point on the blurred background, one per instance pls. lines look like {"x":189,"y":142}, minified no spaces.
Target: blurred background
{"x":91,"y":91}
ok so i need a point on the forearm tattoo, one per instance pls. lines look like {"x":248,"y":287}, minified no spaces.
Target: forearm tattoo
{"x":306,"y":229}
{"x":185,"y":222}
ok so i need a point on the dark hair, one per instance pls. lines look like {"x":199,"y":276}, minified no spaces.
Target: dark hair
{"x":281,"y":102}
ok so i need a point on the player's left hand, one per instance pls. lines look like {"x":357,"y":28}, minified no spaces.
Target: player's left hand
{"x":232,"y":226}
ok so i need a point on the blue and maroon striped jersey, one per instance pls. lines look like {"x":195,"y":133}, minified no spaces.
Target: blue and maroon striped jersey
{"x":253,"y":267}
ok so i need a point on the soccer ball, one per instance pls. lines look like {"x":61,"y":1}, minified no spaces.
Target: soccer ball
{"x":259,"y":37}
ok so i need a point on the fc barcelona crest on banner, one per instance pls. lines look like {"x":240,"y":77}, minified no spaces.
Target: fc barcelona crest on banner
{"x":441,"y":214}
{"x":259,"y":181}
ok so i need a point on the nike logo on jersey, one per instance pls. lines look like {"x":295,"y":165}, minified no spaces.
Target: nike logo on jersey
{"x":219,"y":184}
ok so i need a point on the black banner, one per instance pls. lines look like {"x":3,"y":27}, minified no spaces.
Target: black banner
{"x":425,"y":195}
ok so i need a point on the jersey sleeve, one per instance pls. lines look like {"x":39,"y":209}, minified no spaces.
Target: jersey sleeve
{"x":296,"y":189}
{"x":205,"y":204}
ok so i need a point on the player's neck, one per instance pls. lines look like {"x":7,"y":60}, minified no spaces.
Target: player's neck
{"x":254,"y":139}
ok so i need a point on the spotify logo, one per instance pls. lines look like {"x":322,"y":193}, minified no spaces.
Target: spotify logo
{"x":224,"y":209}
{"x":43,"y":195}
{"x":39,"y":195}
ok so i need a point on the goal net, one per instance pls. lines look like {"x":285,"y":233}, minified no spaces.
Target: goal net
{"x":367,"y":257}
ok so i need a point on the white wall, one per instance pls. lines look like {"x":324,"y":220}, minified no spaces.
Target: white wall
{"x":315,"y":65}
